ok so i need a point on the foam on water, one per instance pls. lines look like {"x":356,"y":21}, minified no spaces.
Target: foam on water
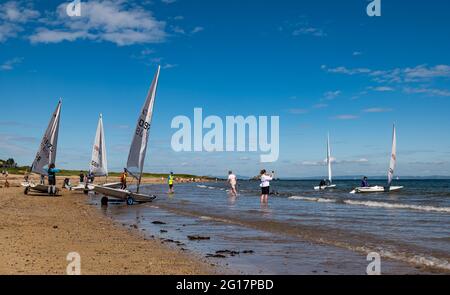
{"x":398,"y":206}
{"x":376,"y":204}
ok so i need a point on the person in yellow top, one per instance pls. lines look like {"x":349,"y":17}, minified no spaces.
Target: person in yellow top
{"x":123,"y":179}
{"x":170,"y":180}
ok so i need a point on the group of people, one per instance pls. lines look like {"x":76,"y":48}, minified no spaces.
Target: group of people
{"x":86,"y":178}
{"x":265,"y":179}
{"x":124,"y":175}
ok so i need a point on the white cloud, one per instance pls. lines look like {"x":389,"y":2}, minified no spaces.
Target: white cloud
{"x":346,"y":117}
{"x":309,"y":31}
{"x":419,"y":73}
{"x":330,"y":95}
{"x":382,"y":88}
{"x":377,"y":110}
{"x":13,"y":16}
{"x":427,"y":91}
{"x":197,"y":29}
{"x":169,"y":66}
{"x":357,"y":53}
{"x":9,"y":64}
{"x":168,"y":1}
{"x":103,"y":20}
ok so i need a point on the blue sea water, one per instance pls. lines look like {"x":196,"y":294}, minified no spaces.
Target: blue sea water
{"x":302,"y":231}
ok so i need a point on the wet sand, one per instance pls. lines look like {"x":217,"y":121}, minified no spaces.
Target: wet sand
{"x":37,"y":232}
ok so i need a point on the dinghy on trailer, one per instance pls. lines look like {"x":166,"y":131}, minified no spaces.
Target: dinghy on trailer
{"x":46,"y":153}
{"x":330,"y":180}
{"x":98,"y":166}
{"x":392,"y":164}
{"x":136,"y":156}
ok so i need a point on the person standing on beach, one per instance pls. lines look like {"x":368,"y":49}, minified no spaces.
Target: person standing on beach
{"x":123,"y":179}
{"x":265,"y":185}
{"x":81,"y":176}
{"x":232,"y":180}
{"x":6,"y":179}
{"x":170,"y":180}
{"x":52,"y":179}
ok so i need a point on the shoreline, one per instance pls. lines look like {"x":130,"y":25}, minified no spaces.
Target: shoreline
{"x":37,"y":233}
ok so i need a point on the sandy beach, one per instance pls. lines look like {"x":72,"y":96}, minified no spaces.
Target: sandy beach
{"x":37,"y":232}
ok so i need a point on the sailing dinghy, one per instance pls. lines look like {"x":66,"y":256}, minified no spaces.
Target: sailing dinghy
{"x":136,"y":156}
{"x":330,"y":181}
{"x":98,"y":166}
{"x":46,"y":153}
{"x":392,"y":164}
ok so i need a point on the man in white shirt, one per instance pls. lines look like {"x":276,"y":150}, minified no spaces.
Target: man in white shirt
{"x":232,"y":180}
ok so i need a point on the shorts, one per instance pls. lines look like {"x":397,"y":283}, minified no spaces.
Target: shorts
{"x":170,"y":185}
{"x":265,"y":190}
{"x":51,"y":181}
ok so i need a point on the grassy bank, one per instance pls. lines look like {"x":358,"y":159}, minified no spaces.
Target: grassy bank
{"x":24,"y":169}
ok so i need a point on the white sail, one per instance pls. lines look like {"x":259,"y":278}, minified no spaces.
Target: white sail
{"x":98,"y":164}
{"x":329,"y":158}
{"x":47,"y":150}
{"x":136,"y":157}
{"x":393,"y":158}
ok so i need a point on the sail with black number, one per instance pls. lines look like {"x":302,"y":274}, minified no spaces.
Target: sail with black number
{"x":47,"y":150}
{"x":138,"y":149}
{"x":393,"y":157}
{"x":98,"y":164}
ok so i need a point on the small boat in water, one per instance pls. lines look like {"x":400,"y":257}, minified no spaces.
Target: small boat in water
{"x":136,"y":156}
{"x":392,"y":164}
{"x":329,"y":184}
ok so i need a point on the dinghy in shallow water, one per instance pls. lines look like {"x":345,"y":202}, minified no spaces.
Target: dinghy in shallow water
{"x":375,"y":189}
{"x":136,"y":156}
{"x":330,"y":181}
{"x":393,"y":162}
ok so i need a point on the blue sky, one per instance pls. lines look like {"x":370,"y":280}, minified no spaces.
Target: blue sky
{"x":319,"y":65}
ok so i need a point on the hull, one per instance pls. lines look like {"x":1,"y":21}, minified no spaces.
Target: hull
{"x":123,"y":194}
{"x":324,"y":187}
{"x":375,"y":189}
{"x":41,"y":188}
{"x":90,"y":187}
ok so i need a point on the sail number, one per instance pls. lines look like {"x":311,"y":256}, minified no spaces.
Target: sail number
{"x":142,"y":125}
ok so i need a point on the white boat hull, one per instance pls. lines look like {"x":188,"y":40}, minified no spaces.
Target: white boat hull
{"x":90,"y":187}
{"x":122,"y":194}
{"x":42,"y":188}
{"x":324,"y":187}
{"x":375,"y":189}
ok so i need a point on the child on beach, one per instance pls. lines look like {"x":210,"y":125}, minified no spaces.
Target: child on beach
{"x":265,"y":185}
{"x":232,"y":180}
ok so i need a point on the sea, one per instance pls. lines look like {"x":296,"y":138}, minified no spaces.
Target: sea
{"x":300,"y":230}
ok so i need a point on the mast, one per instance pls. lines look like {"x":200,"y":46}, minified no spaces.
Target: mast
{"x":329,"y":158}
